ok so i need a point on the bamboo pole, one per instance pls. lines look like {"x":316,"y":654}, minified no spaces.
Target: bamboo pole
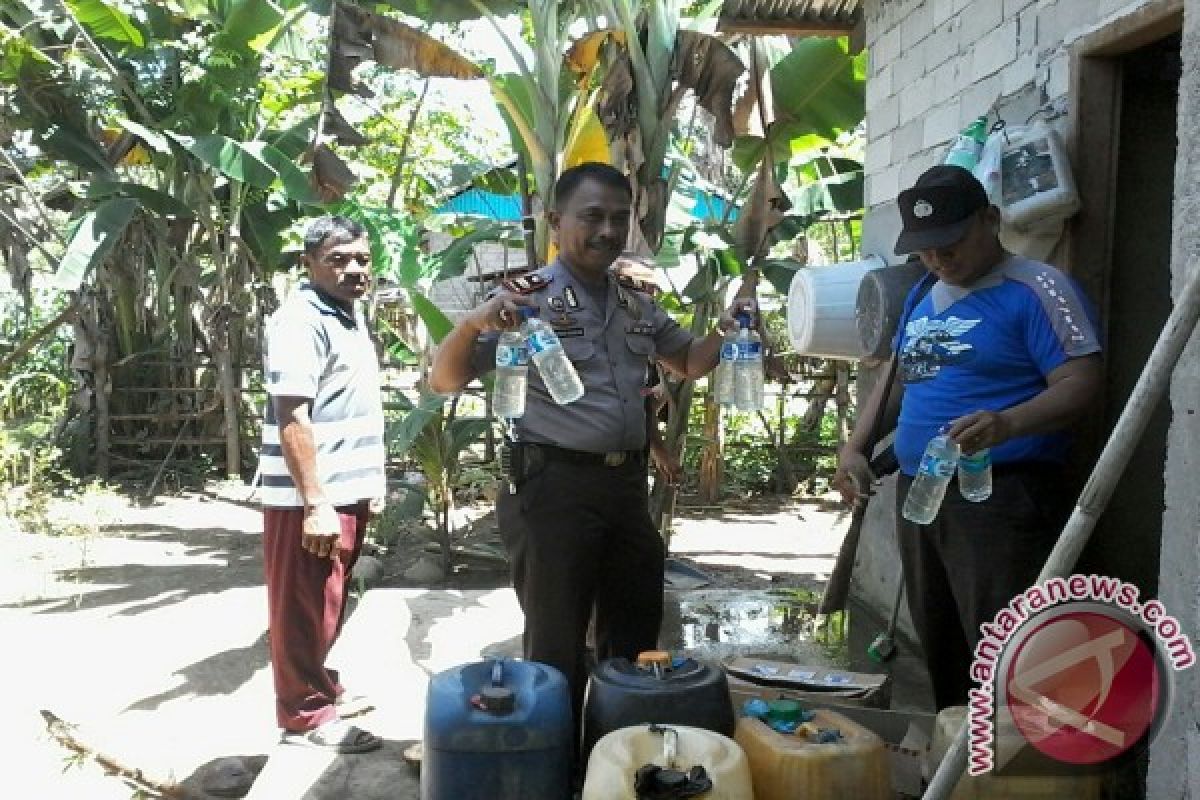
{"x":1150,"y":388}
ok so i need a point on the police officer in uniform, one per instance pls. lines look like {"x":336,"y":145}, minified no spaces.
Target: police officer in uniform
{"x":576,"y":524}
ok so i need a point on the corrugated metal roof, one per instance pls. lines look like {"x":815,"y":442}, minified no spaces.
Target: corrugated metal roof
{"x":798,"y":15}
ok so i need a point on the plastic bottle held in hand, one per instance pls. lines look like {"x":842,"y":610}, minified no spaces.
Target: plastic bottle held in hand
{"x":724,"y":374}
{"x":975,"y":476}
{"x":929,"y":487}
{"x":557,"y":371}
{"x":512,"y":374}
{"x":748,"y":369}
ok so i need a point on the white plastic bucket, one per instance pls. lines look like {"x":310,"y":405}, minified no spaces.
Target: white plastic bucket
{"x":820,"y":306}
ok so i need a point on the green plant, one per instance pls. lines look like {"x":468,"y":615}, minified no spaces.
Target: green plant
{"x":435,"y":437}
{"x":405,"y":504}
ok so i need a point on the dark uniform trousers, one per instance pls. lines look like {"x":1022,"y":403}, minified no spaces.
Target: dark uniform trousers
{"x":579,"y":538}
{"x":967,"y":564}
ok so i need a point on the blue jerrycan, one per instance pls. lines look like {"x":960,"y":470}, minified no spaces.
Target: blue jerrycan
{"x":497,"y":730}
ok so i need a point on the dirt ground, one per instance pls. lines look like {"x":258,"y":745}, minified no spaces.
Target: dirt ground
{"x":119,"y":610}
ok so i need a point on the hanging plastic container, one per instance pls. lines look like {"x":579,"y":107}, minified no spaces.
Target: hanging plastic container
{"x":787,"y":766}
{"x":1036,"y":182}
{"x":497,"y":730}
{"x":880,"y":304}
{"x":658,"y":689}
{"x":1008,"y":787}
{"x":617,"y":757}
{"x":820,"y":309}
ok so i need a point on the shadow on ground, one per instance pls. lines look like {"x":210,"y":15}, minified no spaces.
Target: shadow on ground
{"x":234,"y":561}
{"x":220,"y":674}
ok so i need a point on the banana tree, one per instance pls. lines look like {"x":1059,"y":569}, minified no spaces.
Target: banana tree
{"x":167,"y":121}
{"x":807,"y":98}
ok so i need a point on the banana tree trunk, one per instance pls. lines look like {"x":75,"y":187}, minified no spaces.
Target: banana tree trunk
{"x":100,"y":374}
{"x":229,"y":399}
{"x":712,"y":465}
{"x":662,"y":498}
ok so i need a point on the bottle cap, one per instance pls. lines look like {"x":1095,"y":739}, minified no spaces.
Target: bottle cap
{"x":784,"y":710}
{"x":743,"y":319}
{"x":649,"y":658}
{"x":525,"y":312}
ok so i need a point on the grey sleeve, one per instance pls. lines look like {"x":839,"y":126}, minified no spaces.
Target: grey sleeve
{"x":669,"y":337}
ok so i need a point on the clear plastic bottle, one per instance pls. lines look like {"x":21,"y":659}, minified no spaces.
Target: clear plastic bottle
{"x":512,"y":374}
{"x":748,"y":368}
{"x":723,"y":391}
{"x":933,"y":476}
{"x":968,"y":145}
{"x":557,"y":371}
{"x":975,"y":476}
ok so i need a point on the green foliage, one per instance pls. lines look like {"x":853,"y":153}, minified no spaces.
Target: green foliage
{"x":93,"y":238}
{"x":818,"y":92}
{"x":106,"y":21}
{"x":33,"y":396}
{"x":453,"y":10}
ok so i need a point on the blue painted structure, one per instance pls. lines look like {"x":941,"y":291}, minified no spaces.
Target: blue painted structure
{"x":507,"y":207}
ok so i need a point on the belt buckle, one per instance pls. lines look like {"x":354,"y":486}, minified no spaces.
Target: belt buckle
{"x":614,"y":459}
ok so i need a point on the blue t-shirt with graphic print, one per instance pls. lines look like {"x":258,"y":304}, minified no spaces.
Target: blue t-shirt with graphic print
{"x":988,"y":347}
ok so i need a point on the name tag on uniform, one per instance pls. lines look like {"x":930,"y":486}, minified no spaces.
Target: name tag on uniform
{"x":641,"y":328}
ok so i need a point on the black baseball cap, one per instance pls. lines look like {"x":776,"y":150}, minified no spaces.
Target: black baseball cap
{"x":937,"y":210}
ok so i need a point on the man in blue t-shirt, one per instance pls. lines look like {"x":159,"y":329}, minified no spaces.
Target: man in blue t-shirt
{"x":1000,"y":352}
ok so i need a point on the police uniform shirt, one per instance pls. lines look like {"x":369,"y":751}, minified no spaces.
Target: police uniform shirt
{"x":610,"y":346}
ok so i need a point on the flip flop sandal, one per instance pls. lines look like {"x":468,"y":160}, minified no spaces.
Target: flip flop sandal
{"x":337,"y":736}
{"x":353,"y":705}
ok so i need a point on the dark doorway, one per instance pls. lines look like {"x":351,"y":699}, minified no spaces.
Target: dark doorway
{"x":1136,"y":287}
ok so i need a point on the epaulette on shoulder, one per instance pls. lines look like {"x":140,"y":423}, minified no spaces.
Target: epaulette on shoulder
{"x":638,"y":285}
{"x":526,"y":284}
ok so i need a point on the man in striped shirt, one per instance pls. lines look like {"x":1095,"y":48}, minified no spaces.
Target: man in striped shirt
{"x":322,"y":466}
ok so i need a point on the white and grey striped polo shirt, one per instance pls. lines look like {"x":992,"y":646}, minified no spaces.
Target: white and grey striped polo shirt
{"x":316,"y":350}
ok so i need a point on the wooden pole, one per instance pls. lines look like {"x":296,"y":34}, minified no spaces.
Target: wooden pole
{"x":1150,"y":388}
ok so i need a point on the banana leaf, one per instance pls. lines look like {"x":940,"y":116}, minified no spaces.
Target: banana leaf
{"x":228,"y":157}
{"x":106,"y":21}
{"x":402,"y":433}
{"x":92,"y":240}
{"x":437,"y":323}
{"x":151,"y":199}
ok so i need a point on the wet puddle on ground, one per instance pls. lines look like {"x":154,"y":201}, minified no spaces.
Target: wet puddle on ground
{"x":720,"y":624}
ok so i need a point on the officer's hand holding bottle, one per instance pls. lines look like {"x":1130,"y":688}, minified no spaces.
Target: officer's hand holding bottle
{"x":499,"y":313}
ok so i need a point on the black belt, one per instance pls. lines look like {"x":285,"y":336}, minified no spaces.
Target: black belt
{"x":613,"y":458}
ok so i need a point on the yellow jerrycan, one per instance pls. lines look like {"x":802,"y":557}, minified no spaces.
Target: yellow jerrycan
{"x":799,"y":766}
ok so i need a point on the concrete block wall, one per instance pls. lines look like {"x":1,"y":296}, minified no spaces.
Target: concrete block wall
{"x":1175,"y":753}
{"x":938,"y":64}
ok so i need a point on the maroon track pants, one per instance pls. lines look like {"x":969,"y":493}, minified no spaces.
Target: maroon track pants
{"x":306,"y":604}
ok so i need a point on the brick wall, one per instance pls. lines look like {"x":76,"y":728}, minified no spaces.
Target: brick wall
{"x":938,"y":64}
